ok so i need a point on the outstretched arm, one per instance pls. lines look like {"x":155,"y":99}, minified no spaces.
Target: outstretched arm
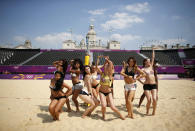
{"x":153,"y":56}
{"x":110,"y":66}
{"x":97,"y":63}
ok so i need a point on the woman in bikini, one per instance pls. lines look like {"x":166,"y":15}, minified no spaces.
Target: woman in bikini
{"x":94,"y":82}
{"x":105,"y":84}
{"x":91,"y":83}
{"x":156,"y":79}
{"x":150,"y":85}
{"x":61,"y":66}
{"x":78,"y":90}
{"x":58,"y":97}
{"x":75,"y":70}
{"x":128,"y":71}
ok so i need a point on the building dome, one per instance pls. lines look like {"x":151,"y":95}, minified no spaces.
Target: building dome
{"x":91,"y":30}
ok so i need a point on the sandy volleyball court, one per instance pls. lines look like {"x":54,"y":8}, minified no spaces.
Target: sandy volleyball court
{"x":24,"y":106}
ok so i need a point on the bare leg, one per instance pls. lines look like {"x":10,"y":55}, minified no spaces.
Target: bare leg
{"x":74,"y":98}
{"x":130,"y":105}
{"x":103,"y":103}
{"x":88,"y":100}
{"x":157,"y":95}
{"x":97,"y":102}
{"x":112,"y":106}
{"x":52,"y":106}
{"x":68,"y":105}
{"x":108,"y":103}
{"x":154,"y":101}
{"x":94,"y":93}
{"x":112,"y":90}
{"x":126,"y":100}
{"x":147,"y":93}
{"x":141,"y":99}
{"x":59,"y":106}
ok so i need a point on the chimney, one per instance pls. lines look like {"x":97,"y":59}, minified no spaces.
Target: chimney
{"x":165,"y":45}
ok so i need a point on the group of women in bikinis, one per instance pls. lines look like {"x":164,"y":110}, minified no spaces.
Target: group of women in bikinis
{"x":93,"y":92}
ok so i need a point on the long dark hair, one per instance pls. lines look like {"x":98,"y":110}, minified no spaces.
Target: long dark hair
{"x":59,"y":82}
{"x":64,"y":66}
{"x":144,"y":62}
{"x":93,"y":63}
{"x":134,"y":61}
{"x":77,"y":60}
{"x":84,"y":72}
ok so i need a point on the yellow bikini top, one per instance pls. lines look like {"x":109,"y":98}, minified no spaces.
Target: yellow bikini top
{"x":105,"y":80}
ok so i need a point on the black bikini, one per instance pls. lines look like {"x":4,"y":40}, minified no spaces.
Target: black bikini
{"x":105,"y":94}
{"x":149,"y":86}
{"x":58,"y":98}
{"x":131,"y":73}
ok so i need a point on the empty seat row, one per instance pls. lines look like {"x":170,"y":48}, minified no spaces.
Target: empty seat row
{"x":164,"y":57}
{"x":117,"y":57}
{"x":48,"y":57}
{"x":190,"y":53}
{"x":16,"y":56}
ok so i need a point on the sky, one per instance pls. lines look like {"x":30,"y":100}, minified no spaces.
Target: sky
{"x":47,"y":23}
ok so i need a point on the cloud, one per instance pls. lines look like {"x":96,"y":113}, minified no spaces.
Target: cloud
{"x":51,"y":40}
{"x":121,"y":21}
{"x":92,"y":19}
{"x":127,"y":41}
{"x":20,"y":39}
{"x":97,"y":12}
{"x":124,"y":38}
{"x":138,"y":8}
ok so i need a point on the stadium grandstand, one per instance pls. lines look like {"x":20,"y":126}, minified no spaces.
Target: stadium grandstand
{"x":39,"y":61}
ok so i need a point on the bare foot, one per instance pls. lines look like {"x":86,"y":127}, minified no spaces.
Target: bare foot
{"x":77,"y":110}
{"x":103,"y":117}
{"x":68,"y":110}
{"x":153,"y":113}
{"x":54,"y":119}
{"x":130,"y":116}
{"x":89,"y":114}
{"x":147,"y":112}
{"x":123,"y":118}
{"x":83,"y":116}
{"x":57,"y":119}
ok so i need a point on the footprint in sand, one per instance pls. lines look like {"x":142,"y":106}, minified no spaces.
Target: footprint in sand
{"x":172,"y":98}
{"x":192,"y":98}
